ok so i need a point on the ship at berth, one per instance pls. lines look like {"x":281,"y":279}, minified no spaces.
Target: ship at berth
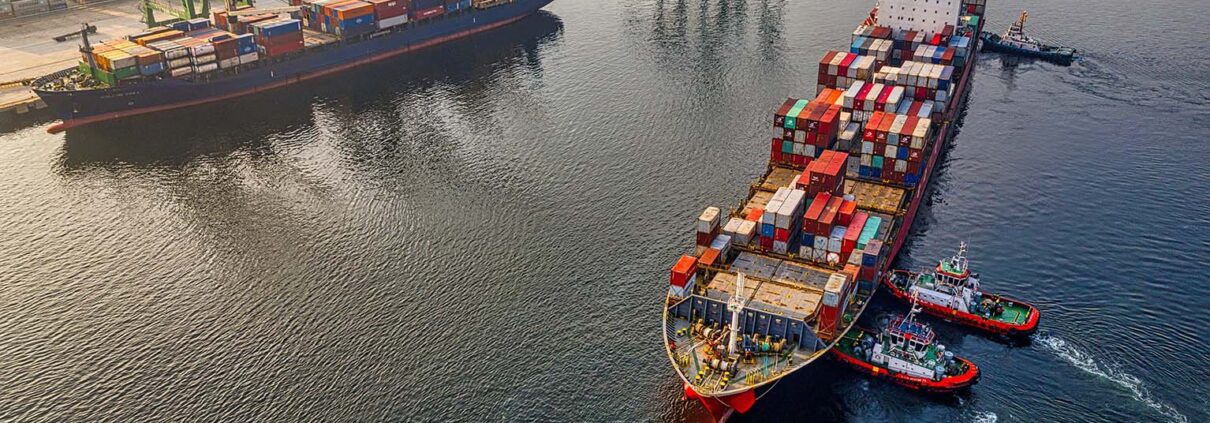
{"x":247,"y":51}
{"x":777,"y":280}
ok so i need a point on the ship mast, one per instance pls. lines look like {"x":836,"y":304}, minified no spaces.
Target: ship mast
{"x":1018,"y":27}
{"x":736,"y":305}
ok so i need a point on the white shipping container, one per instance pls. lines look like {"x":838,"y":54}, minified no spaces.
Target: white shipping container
{"x":395,"y":21}
{"x":180,"y":71}
{"x":780,"y":247}
{"x":805,"y":251}
{"x":901,"y":165}
{"x":866,"y":158}
{"x":708,"y":220}
{"x":228,"y":63}
{"x":746,"y":232}
{"x":201,"y":50}
{"x":208,"y":67}
{"x":182,"y":62}
{"x":124,"y":62}
{"x":818,"y":254}
{"x":201,"y":60}
{"x":732,"y":226}
{"x":891,"y":151}
{"x":248,"y":58}
{"x":768,"y":217}
{"x":800,"y":136}
{"x":820,"y":243}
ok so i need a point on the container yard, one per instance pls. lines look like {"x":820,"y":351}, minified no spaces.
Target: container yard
{"x":775,"y":282}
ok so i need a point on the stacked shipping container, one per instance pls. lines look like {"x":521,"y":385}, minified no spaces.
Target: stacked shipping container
{"x":840,"y":70}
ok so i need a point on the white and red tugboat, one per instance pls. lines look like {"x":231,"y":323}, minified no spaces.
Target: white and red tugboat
{"x":953,"y":293}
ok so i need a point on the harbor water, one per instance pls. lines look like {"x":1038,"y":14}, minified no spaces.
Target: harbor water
{"x":483,"y":231}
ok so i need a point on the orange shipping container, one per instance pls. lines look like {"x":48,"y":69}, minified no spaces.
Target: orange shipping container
{"x":353,"y":9}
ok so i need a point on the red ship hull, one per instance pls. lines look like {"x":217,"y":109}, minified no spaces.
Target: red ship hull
{"x":721,"y":408}
{"x":972,"y":320}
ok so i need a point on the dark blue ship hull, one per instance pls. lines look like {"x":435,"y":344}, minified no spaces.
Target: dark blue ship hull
{"x":82,"y":107}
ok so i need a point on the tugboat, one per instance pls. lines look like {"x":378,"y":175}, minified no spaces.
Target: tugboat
{"x":907,"y":353}
{"x":952,"y":292}
{"x":1014,"y":41}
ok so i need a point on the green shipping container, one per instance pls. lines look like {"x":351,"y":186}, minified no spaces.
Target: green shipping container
{"x":105,"y":77}
{"x":869,"y":231}
{"x":126,"y":72}
{"x":787,"y":147}
{"x":792,"y":115}
{"x":876,"y":162}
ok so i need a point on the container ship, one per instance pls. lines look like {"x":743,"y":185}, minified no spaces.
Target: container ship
{"x":775,"y":282}
{"x":246,"y":51}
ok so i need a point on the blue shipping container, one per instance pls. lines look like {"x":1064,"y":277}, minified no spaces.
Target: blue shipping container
{"x":196,"y":24}
{"x":152,"y":69}
{"x":451,"y":6}
{"x":279,"y":28}
{"x":875,"y":173}
{"x":864,"y":171}
{"x":426,"y":4}
{"x":766,"y":230}
{"x":357,"y":26}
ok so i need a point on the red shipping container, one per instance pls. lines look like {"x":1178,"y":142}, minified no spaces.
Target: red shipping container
{"x":766,"y":243}
{"x":847,"y":209}
{"x":828,"y":217}
{"x":798,"y":160}
{"x":704,"y":238}
{"x":226,"y":49}
{"x":823,"y":64}
{"x":754,"y":215}
{"x":428,"y":13}
{"x":779,"y":118}
{"x":859,"y":100}
{"x":386,"y":9}
{"x":780,"y":234}
{"x":683,"y":271}
{"x":868,"y":273}
{"x":283,"y":48}
{"x":810,"y":218}
{"x":852,"y":232}
{"x":709,"y":257}
{"x":844,"y":65}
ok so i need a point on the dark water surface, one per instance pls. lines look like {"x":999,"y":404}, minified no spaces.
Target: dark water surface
{"x":482,"y":233}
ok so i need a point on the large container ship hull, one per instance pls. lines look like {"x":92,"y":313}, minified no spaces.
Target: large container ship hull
{"x":722,"y":403}
{"x":82,"y":107}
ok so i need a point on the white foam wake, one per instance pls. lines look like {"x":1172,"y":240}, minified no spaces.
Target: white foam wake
{"x":1084,"y":362}
{"x":984,"y":417}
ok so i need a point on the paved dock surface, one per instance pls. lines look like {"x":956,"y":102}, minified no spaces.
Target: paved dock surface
{"x":28,"y":49}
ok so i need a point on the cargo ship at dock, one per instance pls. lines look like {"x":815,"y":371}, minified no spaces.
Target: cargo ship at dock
{"x":246,"y":52}
{"x":774,"y":283}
